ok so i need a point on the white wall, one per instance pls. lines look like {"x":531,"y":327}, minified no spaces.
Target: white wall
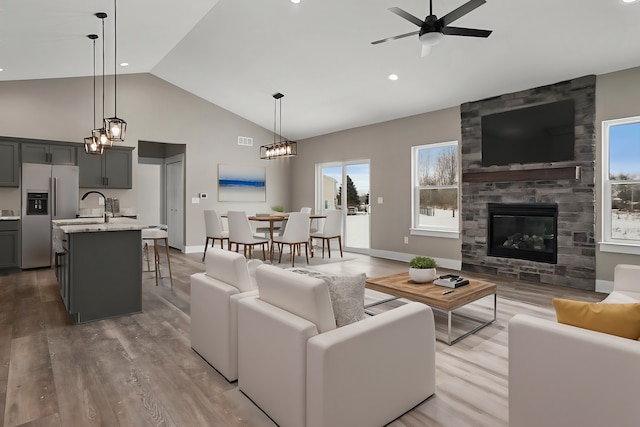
{"x":149,"y":193}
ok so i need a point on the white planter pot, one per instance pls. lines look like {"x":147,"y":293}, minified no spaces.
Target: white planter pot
{"x":422,"y":275}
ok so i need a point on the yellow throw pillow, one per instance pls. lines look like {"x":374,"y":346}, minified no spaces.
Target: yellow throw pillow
{"x":622,"y":320}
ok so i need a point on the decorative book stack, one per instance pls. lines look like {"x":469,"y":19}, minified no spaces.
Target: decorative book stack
{"x":451,"y":281}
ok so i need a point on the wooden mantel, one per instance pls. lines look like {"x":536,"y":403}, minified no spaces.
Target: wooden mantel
{"x":537,"y":174}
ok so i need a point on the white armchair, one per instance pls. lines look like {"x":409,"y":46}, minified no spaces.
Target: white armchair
{"x":626,"y":284}
{"x":214,"y":300}
{"x":302,"y":371}
{"x":562,"y":375}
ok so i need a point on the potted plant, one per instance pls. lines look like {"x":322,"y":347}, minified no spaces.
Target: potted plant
{"x":422,"y":269}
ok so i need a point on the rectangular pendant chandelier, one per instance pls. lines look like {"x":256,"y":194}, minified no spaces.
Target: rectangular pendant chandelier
{"x":284,"y":147}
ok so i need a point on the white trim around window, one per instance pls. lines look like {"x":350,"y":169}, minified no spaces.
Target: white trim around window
{"x":433,"y":219}
{"x":619,"y":186}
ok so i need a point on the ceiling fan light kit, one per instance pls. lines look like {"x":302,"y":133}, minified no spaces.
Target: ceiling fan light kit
{"x":432,"y":30}
{"x":429,"y":40}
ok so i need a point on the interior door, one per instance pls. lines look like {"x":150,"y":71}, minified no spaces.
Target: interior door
{"x":174,"y":175}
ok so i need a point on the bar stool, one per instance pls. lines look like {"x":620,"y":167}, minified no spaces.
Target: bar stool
{"x":152,"y":236}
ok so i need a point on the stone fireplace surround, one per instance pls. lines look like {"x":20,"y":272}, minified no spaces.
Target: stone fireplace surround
{"x":569,"y":184}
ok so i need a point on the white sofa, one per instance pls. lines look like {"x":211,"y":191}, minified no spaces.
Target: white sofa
{"x":302,"y":371}
{"x":561,"y":375}
{"x":214,"y":300}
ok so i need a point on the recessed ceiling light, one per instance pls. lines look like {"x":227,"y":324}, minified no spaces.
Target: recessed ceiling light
{"x":628,"y":1}
{"x":0,"y":69}
{"x":124,"y":64}
{"x":393,"y":77}
{"x":295,"y":1}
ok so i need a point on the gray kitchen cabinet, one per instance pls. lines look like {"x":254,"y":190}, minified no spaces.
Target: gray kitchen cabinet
{"x":49,"y":153}
{"x":9,"y":244}
{"x":9,"y":164}
{"x":112,"y":169}
{"x":110,"y":285}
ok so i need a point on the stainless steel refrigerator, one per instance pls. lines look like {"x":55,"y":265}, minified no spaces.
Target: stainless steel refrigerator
{"x":48,"y":192}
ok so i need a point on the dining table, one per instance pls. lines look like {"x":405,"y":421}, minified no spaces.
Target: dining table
{"x":273,"y":218}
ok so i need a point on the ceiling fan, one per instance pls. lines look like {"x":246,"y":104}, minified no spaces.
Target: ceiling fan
{"x":432,"y":30}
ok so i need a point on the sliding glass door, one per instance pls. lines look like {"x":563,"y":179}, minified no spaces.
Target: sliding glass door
{"x":344,"y":186}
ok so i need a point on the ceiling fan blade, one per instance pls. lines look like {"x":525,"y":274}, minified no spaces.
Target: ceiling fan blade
{"x":471,"y":32}
{"x":414,"y":33}
{"x":406,"y":15}
{"x":459,"y":12}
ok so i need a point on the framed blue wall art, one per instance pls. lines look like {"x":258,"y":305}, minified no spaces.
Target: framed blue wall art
{"x":241,"y":183}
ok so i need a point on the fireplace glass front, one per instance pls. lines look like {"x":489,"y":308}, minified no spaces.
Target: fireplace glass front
{"x":523,"y":230}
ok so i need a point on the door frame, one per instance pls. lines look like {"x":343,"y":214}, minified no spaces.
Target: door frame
{"x":319,"y":205}
{"x":180,"y":204}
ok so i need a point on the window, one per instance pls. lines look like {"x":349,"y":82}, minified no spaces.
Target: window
{"x":621,"y":183}
{"x":434,"y":171}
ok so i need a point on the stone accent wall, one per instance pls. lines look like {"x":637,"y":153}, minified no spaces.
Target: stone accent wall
{"x":575,"y":197}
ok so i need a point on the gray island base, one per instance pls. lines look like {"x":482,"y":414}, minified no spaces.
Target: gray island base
{"x":99,"y":269}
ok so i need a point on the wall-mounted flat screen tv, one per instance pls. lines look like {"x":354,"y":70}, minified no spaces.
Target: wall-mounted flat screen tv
{"x":538,"y":134}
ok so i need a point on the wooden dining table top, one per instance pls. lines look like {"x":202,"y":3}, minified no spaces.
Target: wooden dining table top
{"x":278,"y":217}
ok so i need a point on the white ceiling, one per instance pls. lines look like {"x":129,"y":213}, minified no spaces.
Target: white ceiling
{"x":237,"y":53}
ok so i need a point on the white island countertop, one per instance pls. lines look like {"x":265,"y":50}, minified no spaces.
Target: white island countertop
{"x":9,"y":218}
{"x":91,"y":225}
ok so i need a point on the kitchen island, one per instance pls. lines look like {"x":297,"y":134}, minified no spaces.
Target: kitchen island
{"x":99,"y":267}
{"x":9,"y":242}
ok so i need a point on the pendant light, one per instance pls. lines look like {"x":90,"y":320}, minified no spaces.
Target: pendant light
{"x":101,"y":133}
{"x":115,"y":126}
{"x":282,"y":148}
{"x":91,"y":144}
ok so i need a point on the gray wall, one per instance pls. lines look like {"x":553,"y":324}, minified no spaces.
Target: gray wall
{"x":617,"y":96}
{"x":388,"y":146}
{"x":61,"y":109}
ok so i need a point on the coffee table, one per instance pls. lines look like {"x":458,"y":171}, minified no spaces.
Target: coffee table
{"x":401,"y":286}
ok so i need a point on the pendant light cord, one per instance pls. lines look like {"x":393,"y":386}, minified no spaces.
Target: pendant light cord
{"x":275,"y":108}
{"x":94,"y":83}
{"x":102,"y":67}
{"x":115,"y":59}
{"x":280,"y":120}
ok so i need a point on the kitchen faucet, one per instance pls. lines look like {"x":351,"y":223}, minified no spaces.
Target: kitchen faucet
{"x":93,"y":191}
{"x":106,"y":217}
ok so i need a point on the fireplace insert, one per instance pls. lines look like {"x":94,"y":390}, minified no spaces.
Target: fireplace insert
{"x":523,"y":230}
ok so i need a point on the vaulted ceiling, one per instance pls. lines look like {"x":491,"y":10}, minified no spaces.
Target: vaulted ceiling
{"x":237,"y":53}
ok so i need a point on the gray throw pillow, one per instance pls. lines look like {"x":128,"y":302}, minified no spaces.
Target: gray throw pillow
{"x":346,"y":292}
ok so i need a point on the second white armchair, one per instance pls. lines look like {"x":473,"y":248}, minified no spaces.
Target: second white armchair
{"x":303,"y":371}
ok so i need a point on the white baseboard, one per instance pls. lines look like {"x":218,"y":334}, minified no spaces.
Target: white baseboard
{"x":193,"y":249}
{"x":452,"y":264}
{"x":605,"y":286}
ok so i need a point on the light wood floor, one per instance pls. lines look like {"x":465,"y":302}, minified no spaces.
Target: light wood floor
{"x":139,"y":370}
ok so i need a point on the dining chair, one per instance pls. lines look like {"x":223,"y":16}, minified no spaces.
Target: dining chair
{"x":332,"y":230}
{"x":296,"y":234}
{"x":241,"y":233}
{"x":314,"y":227}
{"x":261,"y":231}
{"x":215,"y":230}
